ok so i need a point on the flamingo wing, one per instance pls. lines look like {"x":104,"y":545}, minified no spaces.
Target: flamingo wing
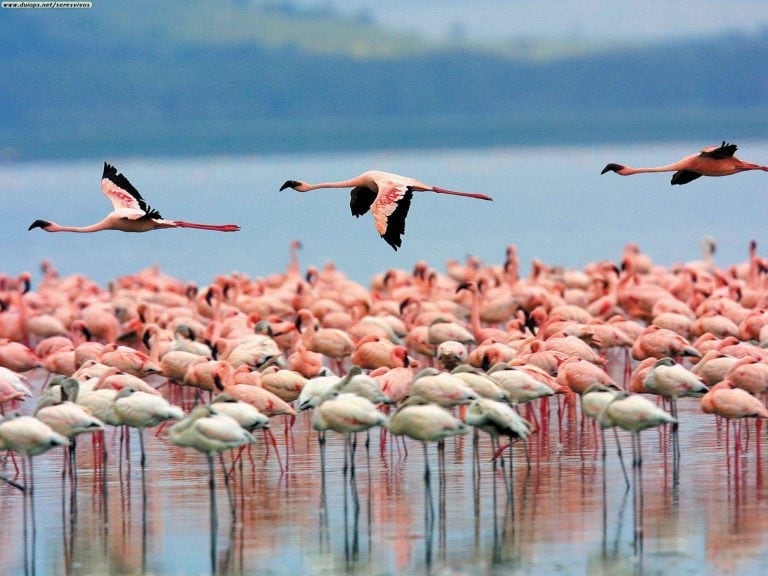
{"x":123,"y":195}
{"x":389,"y":212}
{"x":684,"y":176}
{"x":725,"y":150}
{"x":360,"y":200}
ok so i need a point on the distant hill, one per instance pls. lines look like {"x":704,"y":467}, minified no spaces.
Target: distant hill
{"x":188,"y":77}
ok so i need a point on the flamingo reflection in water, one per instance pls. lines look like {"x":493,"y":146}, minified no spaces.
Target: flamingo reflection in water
{"x":634,"y":413}
{"x":426,"y":422}
{"x":209,"y":432}
{"x":30,"y":437}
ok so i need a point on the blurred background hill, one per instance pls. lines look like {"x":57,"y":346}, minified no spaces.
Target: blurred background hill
{"x":183,"y":77}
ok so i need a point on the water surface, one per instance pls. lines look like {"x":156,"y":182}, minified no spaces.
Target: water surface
{"x":709,"y":518}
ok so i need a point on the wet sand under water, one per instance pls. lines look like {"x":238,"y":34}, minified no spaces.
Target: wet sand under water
{"x":709,"y":517}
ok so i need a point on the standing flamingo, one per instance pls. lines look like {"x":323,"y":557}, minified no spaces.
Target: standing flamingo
{"x":387,"y":195}
{"x":711,"y":161}
{"x":498,"y":419}
{"x":634,"y":413}
{"x":28,"y":436}
{"x":131,"y":212}
{"x":209,"y":432}
{"x":422,"y":420}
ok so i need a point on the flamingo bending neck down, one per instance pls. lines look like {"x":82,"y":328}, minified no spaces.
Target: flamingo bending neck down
{"x":131,"y":212}
{"x":387,"y":196}
{"x":711,"y":161}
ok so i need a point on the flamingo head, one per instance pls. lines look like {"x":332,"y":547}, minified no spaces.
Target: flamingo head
{"x":612,"y":167}
{"x":295,"y":184}
{"x":39,"y":224}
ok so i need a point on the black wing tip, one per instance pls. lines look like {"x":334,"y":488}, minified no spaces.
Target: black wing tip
{"x":395,"y":242}
{"x":683,"y":177}
{"x":612,"y":167}
{"x":396,"y":221}
{"x":109,"y":171}
{"x":39,"y":224}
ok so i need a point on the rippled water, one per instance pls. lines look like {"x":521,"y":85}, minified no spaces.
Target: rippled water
{"x":556,"y":520}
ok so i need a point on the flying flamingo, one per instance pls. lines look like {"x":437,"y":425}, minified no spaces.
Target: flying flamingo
{"x":711,"y":161}
{"x":131,"y":212}
{"x":387,"y":195}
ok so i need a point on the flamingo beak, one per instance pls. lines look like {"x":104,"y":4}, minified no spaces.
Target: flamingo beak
{"x":612,"y":168}
{"x":39,"y":224}
{"x":289,"y":184}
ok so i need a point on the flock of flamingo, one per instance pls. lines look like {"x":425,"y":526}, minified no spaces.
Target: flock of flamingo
{"x":423,"y":354}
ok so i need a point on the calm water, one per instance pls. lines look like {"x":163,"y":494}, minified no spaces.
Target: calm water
{"x":556,"y":521}
{"x":551,"y":202}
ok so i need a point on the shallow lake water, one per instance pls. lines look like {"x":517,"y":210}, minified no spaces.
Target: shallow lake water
{"x":708,"y":517}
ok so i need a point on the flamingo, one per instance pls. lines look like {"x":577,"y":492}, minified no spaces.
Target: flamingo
{"x":28,"y":436}
{"x":209,"y":432}
{"x":727,"y":400}
{"x":711,"y":161}
{"x":140,"y":410}
{"x":346,"y":413}
{"x":422,"y":420}
{"x":70,"y":419}
{"x":498,"y":419}
{"x":131,"y":212}
{"x":387,"y":195}
{"x":634,"y":413}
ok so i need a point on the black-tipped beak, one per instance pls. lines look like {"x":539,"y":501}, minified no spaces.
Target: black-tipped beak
{"x":612,"y":168}
{"x":289,"y":184}
{"x":217,"y":382}
{"x":39,"y":224}
{"x":463,"y":286}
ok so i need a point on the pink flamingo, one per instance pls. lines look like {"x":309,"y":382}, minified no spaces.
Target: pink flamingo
{"x":131,"y":212}
{"x":387,"y":196}
{"x":711,"y":161}
{"x":730,"y":402}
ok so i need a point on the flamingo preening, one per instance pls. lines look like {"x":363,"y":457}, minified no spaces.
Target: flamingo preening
{"x":711,"y":161}
{"x":131,"y":212}
{"x":388,"y":197}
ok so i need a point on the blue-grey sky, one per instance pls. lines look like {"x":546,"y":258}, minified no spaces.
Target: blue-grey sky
{"x":604,"y":20}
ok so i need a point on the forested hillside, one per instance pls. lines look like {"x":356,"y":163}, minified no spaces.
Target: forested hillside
{"x":185,"y":77}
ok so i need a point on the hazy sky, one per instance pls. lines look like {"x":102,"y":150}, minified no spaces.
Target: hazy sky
{"x":591,"y":19}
